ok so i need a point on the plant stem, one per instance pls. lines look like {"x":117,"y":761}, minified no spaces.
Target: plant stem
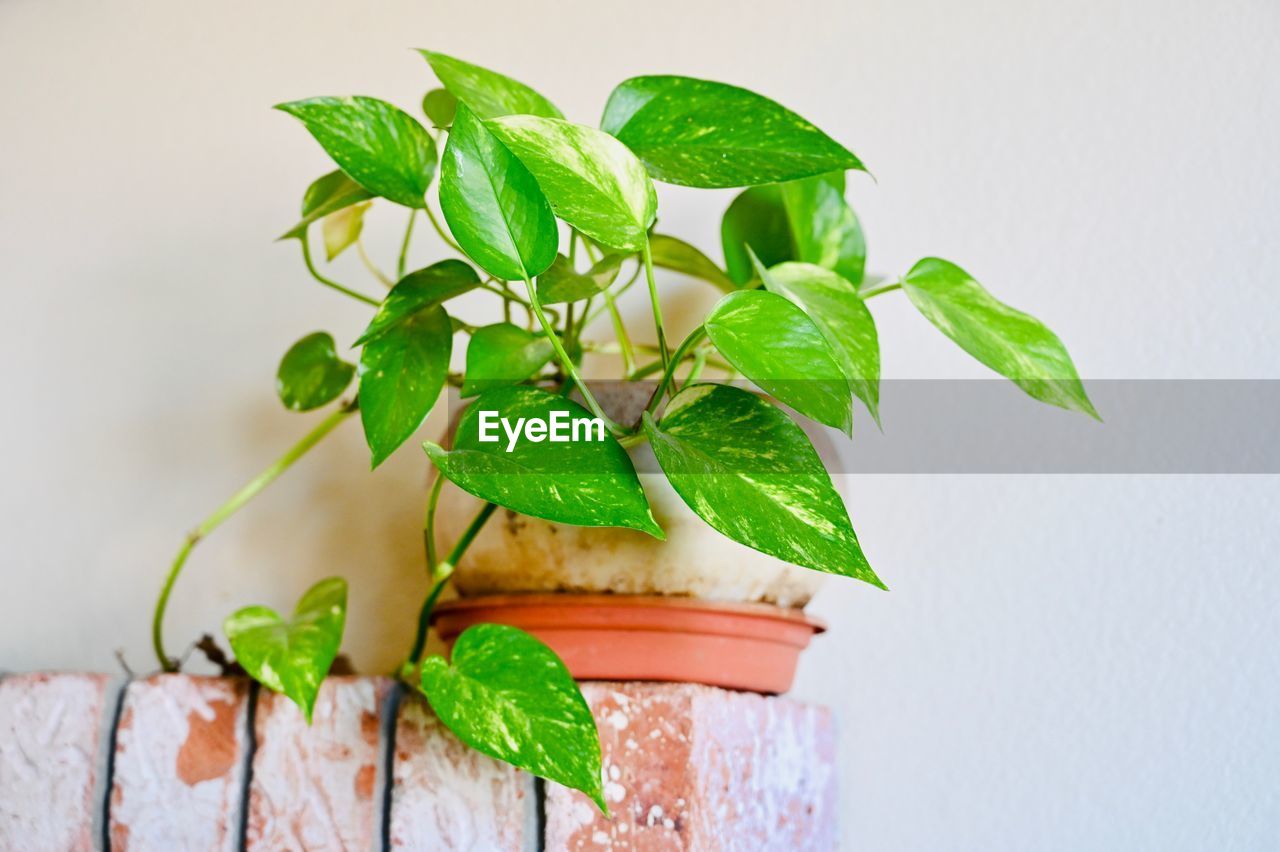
{"x":403,"y":260}
{"x":669,"y":372}
{"x":647,"y":255}
{"x":328,"y":282}
{"x":565,"y":361}
{"x":226,"y":510}
{"x":440,"y":576}
{"x":448,"y":240}
{"x":695,"y":370}
{"x":429,"y":523}
{"x":620,"y":332}
{"x":876,"y":291}
{"x":635,"y":274}
{"x":370,"y":265}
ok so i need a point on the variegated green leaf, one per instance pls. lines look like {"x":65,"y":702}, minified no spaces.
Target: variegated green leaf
{"x":562,"y":283}
{"x":509,"y":696}
{"x":1016,"y":345}
{"x":379,"y":146}
{"x":292,"y":657}
{"x":751,"y":473}
{"x":488,"y":93}
{"x":326,"y":194}
{"x":707,"y":134}
{"x":592,"y":181}
{"x":493,"y":204}
{"x":675,"y":254}
{"x":588,"y":482}
{"x":806,"y":220}
{"x":842,"y":317}
{"x":774,"y":344}
{"x":503,"y":354}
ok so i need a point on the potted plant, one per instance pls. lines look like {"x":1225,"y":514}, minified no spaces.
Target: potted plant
{"x":538,"y":511}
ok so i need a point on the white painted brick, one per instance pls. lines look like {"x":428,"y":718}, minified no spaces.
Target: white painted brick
{"x":691,"y":767}
{"x":447,"y":796}
{"x":179,"y":765}
{"x":316,"y":788}
{"x":52,"y":734}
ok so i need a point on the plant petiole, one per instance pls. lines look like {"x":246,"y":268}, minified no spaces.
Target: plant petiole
{"x":328,"y":282}
{"x":226,"y":510}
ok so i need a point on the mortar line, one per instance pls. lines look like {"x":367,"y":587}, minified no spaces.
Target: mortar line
{"x":114,"y":700}
{"x":246,"y":775}
{"x":390,"y":711}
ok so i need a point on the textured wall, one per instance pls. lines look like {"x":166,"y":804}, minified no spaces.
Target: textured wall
{"x":1063,"y":663}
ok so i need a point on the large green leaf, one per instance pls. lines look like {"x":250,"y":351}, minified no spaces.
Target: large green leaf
{"x":678,"y":256}
{"x":327,"y":194}
{"x":493,"y":204}
{"x":380,"y":146}
{"x":775,"y":344}
{"x":1014,"y":344}
{"x":503,"y":354}
{"x":700,"y":133}
{"x":592,"y":181}
{"x":509,"y":696}
{"x":833,"y":305}
{"x":292,"y":657}
{"x":432,"y":285}
{"x":488,"y":93}
{"x":751,"y":473}
{"x":587,"y":483}
{"x":562,"y":283}
{"x":402,"y":371}
{"x":311,"y":373}
{"x":806,"y":220}
{"x":342,"y":228}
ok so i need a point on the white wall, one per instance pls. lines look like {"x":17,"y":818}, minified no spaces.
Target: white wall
{"x":1064,"y":663}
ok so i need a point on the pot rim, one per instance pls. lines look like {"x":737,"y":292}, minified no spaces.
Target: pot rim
{"x":656,"y":613}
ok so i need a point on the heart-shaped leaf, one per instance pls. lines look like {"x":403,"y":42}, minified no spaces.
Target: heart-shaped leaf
{"x":493,"y":204}
{"x":327,"y":194}
{"x":509,"y":696}
{"x":806,"y":220}
{"x":292,"y":657}
{"x":432,"y":285}
{"x":488,"y":93}
{"x":1015,"y":345}
{"x":380,"y":146}
{"x":569,"y":469}
{"x":311,"y":374}
{"x":562,"y":283}
{"x":774,"y":344}
{"x":751,"y":473}
{"x":592,"y":181}
{"x":842,"y":317}
{"x":342,"y":228}
{"x":701,"y":133}
{"x":440,"y":106}
{"x":677,"y":255}
{"x":503,"y":354}
{"x":402,"y":370}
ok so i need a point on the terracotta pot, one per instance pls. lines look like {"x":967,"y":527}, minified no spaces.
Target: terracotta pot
{"x":630,"y":637}
{"x":517,"y":553}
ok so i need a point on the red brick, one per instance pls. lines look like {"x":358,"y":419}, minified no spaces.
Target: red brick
{"x":447,"y":796}
{"x":691,"y":767}
{"x":53,"y":730}
{"x":315,"y":788}
{"x":179,"y":773}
